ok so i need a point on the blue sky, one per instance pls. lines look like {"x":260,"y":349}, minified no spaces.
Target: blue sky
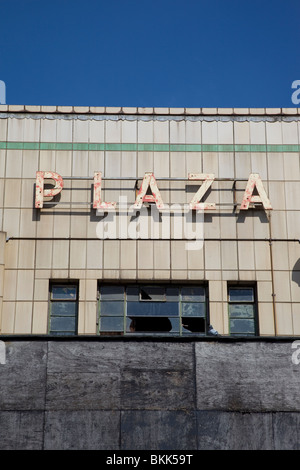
{"x":169,"y":53}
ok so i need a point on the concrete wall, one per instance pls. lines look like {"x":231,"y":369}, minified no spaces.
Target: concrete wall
{"x":60,"y":242}
{"x":149,"y":395}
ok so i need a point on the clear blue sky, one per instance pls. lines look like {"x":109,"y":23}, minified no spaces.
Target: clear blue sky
{"x":173,"y":53}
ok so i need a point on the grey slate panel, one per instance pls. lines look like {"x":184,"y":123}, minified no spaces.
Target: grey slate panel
{"x":21,"y":430}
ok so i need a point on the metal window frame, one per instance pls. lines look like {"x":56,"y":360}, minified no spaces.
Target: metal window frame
{"x":51,"y":301}
{"x":254,"y":302}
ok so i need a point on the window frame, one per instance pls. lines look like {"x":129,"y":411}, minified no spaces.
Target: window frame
{"x":254,"y":303}
{"x":51,"y":301}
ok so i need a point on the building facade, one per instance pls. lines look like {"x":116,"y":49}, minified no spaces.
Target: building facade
{"x":154,"y":224}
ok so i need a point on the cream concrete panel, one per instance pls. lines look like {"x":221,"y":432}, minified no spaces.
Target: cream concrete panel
{"x":79,"y":164}
{"x":292,"y":195}
{"x":216,"y":317}
{"x":31,"y":131}
{"x":193,"y":162}
{"x":95,"y":162}
{"x":293,"y":224}
{"x":193,"y":132}
{"x":275,"y":166}
{"x":228,"y":225}
{"x":96,"y":131}
{"x":30,"y":163}
{"x":61,"y":224}
{"x":47,"y":161}
{"x":247,"y":275}
{"x":261,"y":224}
{"x":13,"y":164}
{"x":262,"y":256}
{"x":195,"y":275}
{"x":128,"y":254}
{"x":113,"y":131}
{"x":177,"y":165}
{"x":279,"y":224}
{"x":48,"y":130}
{"x":129,"y":131}
{"x":215,"y":291}
{"x":145,"y":255}
{"x":3,"y":129}
{"x":294,"y":256}
{"x":79,"y":225}
{"x":90,"y":318}
{"x":257,"y":132}
{"x":230,"y":275}
{"x":80,"y":131}
{"x":280,"y":256}
{"x":263,"y":275}
{"x":40,"y":318}
{"x":77,"y":254}
{"x":23,"y":318}
{"x":295,"y":285}
{"x":12,"y":194}
{"x":244,"y":225}
{"x":81,"y":315}
{"x":2,"y":269}
{"x":91,"y":290}
{"x":246,"y":259}
{"x":162,"y":255}
{"x":229,"y":255}
{"x":266,"y":319}
{"x":27,"y":193}
{"x":111,"y":255}
{"x":161,"y":165}
{"x":128,"y":167}
{"x":277,"y":195}
{"x":60,"y":254}
{"x":259,"y":165}
{"x":264,"y":291}
{"x":64,"y":130}
{"x":43,"y":254}
{"x":226,"y":165}
{"x":177,"y":132}
{"x":241,"y":132}
{"x":225,"y":132}
{"x":2,"y":162}
{"x":25,"y":281}
{"x":296,"y":319}
{"x":242,"y":165}
{"x":289,"y":132}
{"x":282,"y":286}
{"x":195,"y":257}
{"x":161,"y":132}
{"x":213,"y":275}
{"x":41,"y":290}
{"x":212,"y":227}
{"x":209,"y":132}
{"x":43,"y":274}
{"x":212,"y":250}
{"x":8,"y":317}
{"x":112,"y":164}
{"x":211,"y":163}
{"x":15,"y":130}
{"x":27,"y":222}
{"x":11,"y":222}
{"x":26,"y":254}
{"x":291,"y":166}
{"x":63,"y":165}
{"x":274,"y":132}
{"x":179,"y":255}
{"x":44,"y":226}
{"x":145,"y":163}
{"x":145,"y":131}
{"x":284,"y":323}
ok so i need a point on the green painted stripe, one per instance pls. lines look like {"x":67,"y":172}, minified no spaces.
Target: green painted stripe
{"x":133,"y":147}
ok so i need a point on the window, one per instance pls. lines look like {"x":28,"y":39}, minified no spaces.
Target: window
{"x":63,"y":309}
{"x":143,"y":309}
{"x":242,"y":310}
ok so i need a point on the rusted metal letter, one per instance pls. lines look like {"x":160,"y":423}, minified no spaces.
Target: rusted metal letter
{"x":40,"y":192}
{"x":254,"y":181}
{"x":195,"y":203}
{"x":97,"y":204}
{"x":149,"y":180}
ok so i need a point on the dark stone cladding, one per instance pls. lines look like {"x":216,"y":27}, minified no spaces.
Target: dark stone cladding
{"x":149,"y":394}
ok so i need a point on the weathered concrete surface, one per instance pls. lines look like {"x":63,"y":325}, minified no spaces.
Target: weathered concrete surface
{"x":149,"y":395}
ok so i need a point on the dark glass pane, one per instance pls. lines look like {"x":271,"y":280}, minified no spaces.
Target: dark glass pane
{"x":133,"y":294}
{"x":172,"y":294}
{"x":64,"y":292}
{"x":152,"y":293}
{"x":150,"y":324}
{"x":241,"y":310}
{"x":112,"y":292}
{"x":242,"y":326}
{"x":152,"y":309}
{"x":193,"y":294}
{"x":67,"y":324}
{"x":111,"y":308}
{"x":193,"y":325}
{"x":241,"y":294}
{"x":193,"y":310}
{"x":111,"y":323}
{"x":64,"y":308}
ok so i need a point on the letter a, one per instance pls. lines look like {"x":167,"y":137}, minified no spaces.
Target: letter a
{"x":149,"y":180}
{"x":254,"y":181}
